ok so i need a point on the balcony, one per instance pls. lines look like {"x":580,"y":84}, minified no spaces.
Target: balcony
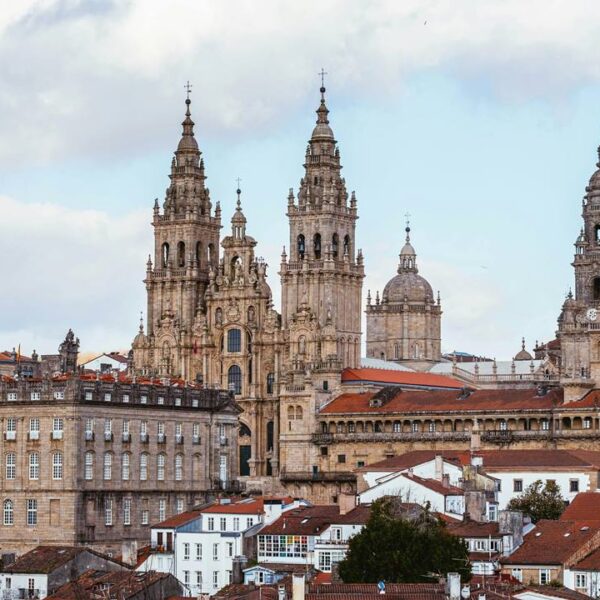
{"x":196,"y":440}
{"x":390,"y":436}
{"x":143,"y":438}
{"x":179,"y":439}
{"x":10,"y":436}
{"x":108,"y":436}
{"x":89,"y":436}
{"x":161,"y":438}
{"x":56,"y":435}
{"x":126,"y":437}
{"x":322,"y":439}
{"x":34,"y":436}
{"x":233,"y":486}
{"x":318,"y":476}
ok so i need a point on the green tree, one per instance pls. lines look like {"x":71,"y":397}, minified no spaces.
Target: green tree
{"x":395,"y":549}
{"x":540,"y":501}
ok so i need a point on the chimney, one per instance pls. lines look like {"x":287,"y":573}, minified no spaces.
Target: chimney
{"x":129,"y":552}
{"x":453,"y":586}
{"x":446,"y":480}
{"x":347,"y":502}
{"x":439,"y":467}
{"x":298,"y":586}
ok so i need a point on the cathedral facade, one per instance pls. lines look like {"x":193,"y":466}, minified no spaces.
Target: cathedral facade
{"x":210,"y":314}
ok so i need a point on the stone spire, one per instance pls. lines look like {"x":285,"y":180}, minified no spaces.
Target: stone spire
{"x":408,"y":256}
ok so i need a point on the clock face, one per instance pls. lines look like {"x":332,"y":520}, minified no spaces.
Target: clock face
{"x":592,"y":314}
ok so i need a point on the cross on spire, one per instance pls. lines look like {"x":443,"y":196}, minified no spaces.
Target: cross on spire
{"x":188,"y":89}
{"x":322,"y":73}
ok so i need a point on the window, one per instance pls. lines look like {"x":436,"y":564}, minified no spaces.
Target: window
{"x":160,"y":431}
{"x":160,"y":400}
{"x":517,"y":485}
{"x":317,"y":246}
{"x":11,"y":396}
{"x":162,"y":509}
{"x":125,"y":429}
{"x":335,"y":245}
{"x":186,"y":577}
{"x":301,"y":246}
{"x":11,"y":424}
{"x":544,"y":576}
{"x":31,"y":587}
{"x":160,"y":467}
{"x":178,"y":431}
{"x":545,"y":424}
{"x":9,"y":512}
{"x":324,"y":451}
{"x":108,"y":429}
{"x":341,"y":458}
{"x":179,"y":467}
{"x":270,"y":383}
{"x":126,"y":511}
{"x":89,"y":425}
{"x":503,"y":425}
{"x":144,"y":399}
{"x":283,"y":546}
{"x":215,"y":551}
{"x":580,"y":580}
{"x":587,"y":423}
{"x":198,"y":551}
{"x":431,"y":427}
{"x":360,"y":463}
{"x":415,"y":427}
{"x":249,"y":522}
{"x":57,"y":466}
{"x":89,"y":395}
{"x":34,"y":425}
{"x":211,"y":523}
{"x":234,"y":340}
{"x":199,"y":579}
{"x":574,"y":485}
{"x":493,"y":512}
{"x":31,"y":512}
{"x":196,"y":433}
{"x":125,"y":398}
{"x":107,"y":473}
{"x":34,"y":465}
{"x":351,"y":427}
{"x":35,"y":395}
{"x":236,"y":523}
{"x":186,"y":551}
{"x":397,"y":427}
{"x":89,"y":466}
{"x":125,"y":466}
{"x":143,"y":467}
{"x":145,"y":517}
{"x":108,"y":512}
{"x":223,"y":524}
{"x":107,"y":397}
{"x":179,"y":506}
{"x":229,"y":548}
{"x":11,"y":465}
{"x":234,"y":379}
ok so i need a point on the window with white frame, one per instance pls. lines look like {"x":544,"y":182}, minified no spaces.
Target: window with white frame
{"x":431,"y":426}
{"x":215,"y":551}
{"x":57,"y":466}
{"x":89,"y":395}
{"x":57,"y":425}
{"x":580,"y":580}
{"x":544,"y":576}
{"x":107,"y":472}
{"x":160,"y":400}
{"x":34,"y":425}
{"x":215,"y":579}
{"x":328,"y":558}
{"x":107,"y":397}
{"x":11,"y":396}
{"x":160,"y":467}
{"x":34,"y":466}
{"x":9,"y":512}
{"x":89,"y":466}
{"x":229,"y":548}
{"x":89,"y":425}
{"x":125,"y":428}
{"x":11,"y":424}
{"x":143,"y":399}
{"x":59,"y":395}
{"x":236,"y":523}
{"x":125,"y":398}
{"x":186,"y":551}
{"x":283,"y":546}
{"x":35,"y":395}
{"x":160,"y":428}
{"x":587,"y":423}
{"x":125,"y":466}
{"x":196,"y":432}
{"x":198,"y":551}
{"x":178,"y":467}
{"x":108,"y":512}
{"x":11,"y":465}
{"x":503,"y":425}
{"x":143,"y":466}
{"x":179,"y":506}
{"x":144,"y":428}
{"x":249,"y":522}
{"x":107,"y":427}
{"x":223,"y":524}
{"x":397,"y":427}
{"x":199,"y":579}
{"x":145,"y":516}
{"x":32,"y":512}
{"x":211,"y":523}
{"x":545,"y":424}
{"x":126,"y":511}
{"x":162,"y":509}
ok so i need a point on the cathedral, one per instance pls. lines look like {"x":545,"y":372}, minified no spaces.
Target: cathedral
{"x":210,"y":314}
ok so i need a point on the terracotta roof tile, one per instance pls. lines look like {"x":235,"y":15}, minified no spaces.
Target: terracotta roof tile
{"x":178,"y":520}
{"x":444,"y":401}
{"x":474,"y":529}
{"x":585,"y":506}
{"x":434,"y":485}
{"x":248,"y":506}
{"x":305,"y":520}
{"x":590,"y":563}
{"x":400,"y":378}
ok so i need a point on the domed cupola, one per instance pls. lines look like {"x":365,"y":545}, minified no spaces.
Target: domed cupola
{"x":523,"y":354}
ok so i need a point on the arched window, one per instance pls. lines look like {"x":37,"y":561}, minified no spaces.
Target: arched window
{"x":181,"y":254}
{"x":89,"y":466}
{"x":107,"y":473}
{"x":248,"y":343}
{"x":178,"y":467}
{"x":199,"y":253}
{"x":317,"y":245}
{"x":291,"y":413}
{"x":234,"y":340}
{"x":335,"y":243}
{"x":125,"y":466}
{"x":160,"y":467}
{"x":270,"y":435}
{"x":165,"y":255}
{"x":143,"y":466}
{"x":249,"y":371}
{"x":234,"y":379}
{"x":34,"y":465}
{"x":347,"y":245}
{"x":57,"y":466}
{"x":211,"y":255}
{"x":299,"y":413}
{"x":9,"y":512}
{"x":245,"y":430}
{"x":11,"y":465}
{"x":301,"y":247}
{"x":270,"y":383}
{"x":596,"y":285}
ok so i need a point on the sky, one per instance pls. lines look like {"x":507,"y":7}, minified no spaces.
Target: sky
{"x":480,"y":119}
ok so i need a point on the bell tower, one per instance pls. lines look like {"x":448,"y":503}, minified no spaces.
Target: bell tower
{"x":186,"y":246}
{"x":322,"y":279}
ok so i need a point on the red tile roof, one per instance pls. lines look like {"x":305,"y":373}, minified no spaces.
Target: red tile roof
{"x":553,"y":542}
{"x":494,"y":459}
{"x":356,"y":516}
{"x":400,"y":378}
{"x":178,"y":520}
{"x":445,"y":401}
{"x":434,"y":485}
{"x":248,"y":506}
{"x":305,"y":520}
{"x":590,"y":563}
{"x":474,"y":529}
{"x":585,"y":506}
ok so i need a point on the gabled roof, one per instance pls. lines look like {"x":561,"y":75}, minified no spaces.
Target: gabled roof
{"x":585,"y":506}
{"x":248,"y":506}
{"x":474,"y":529}
{"x":178,"y":520}
{"x":305,"y":520}
{"x":434,"y":485}
{"x":444,"y":401}
{"x":356,"y":516}
{"x":400,"y":378}
{"x":553,"y":542}
{"x":408,"y":460}
{"x":590,"y":563}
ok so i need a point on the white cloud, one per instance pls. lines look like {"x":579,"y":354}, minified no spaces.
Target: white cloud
{"x":82,"y":76}
{"x":69,"y":268}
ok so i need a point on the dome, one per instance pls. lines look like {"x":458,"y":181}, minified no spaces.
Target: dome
{"x":187,"y":143}
{"x":407,"y":285}
{"x":322,"y":130}
{"x":523,"y":354}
